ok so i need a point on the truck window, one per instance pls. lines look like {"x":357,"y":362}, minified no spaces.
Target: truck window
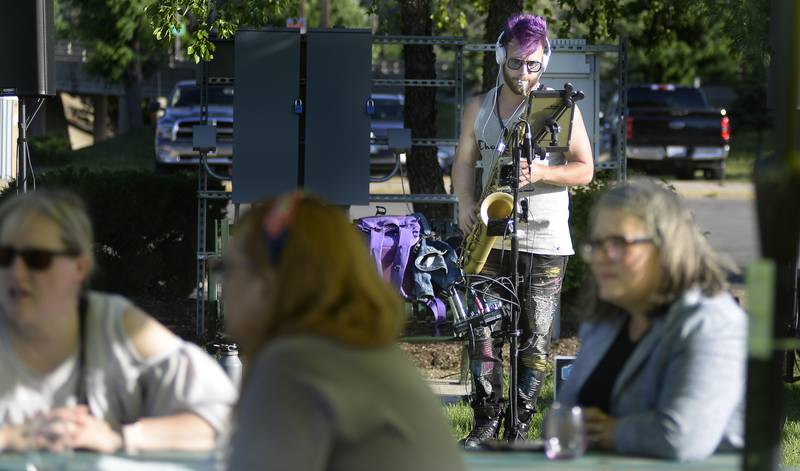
{"x":641,"y":97}
{"x":388,"y":110}
{"x":186,"y":96}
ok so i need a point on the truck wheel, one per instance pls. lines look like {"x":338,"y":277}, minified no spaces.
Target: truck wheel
{"x":716,"y":173}
{"x":685,"y":174}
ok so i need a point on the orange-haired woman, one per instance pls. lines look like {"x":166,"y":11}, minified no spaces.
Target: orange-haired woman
{"x":326,"y":387}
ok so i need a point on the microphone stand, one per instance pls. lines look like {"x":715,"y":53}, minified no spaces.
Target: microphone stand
{"x":523,"y":147}
{"x":518,"y":152}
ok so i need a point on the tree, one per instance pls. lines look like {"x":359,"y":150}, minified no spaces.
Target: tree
{"x":424,"y":173}
{"x":722,"y":41}
{"x":497,"y":13}
{"x":121,"y":44}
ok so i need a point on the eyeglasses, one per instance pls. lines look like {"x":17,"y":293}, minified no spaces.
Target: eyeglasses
{"x":515,"y":64}
{"x":35,"y":259}
{"x":613,"y":246}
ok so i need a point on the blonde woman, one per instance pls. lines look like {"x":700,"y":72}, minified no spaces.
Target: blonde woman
{"x":326,"y":387}
{"x":661,"y":369}
{"x":113,"y":377}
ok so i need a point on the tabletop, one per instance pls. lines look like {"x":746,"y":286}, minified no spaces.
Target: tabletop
{"x":475,"y":461}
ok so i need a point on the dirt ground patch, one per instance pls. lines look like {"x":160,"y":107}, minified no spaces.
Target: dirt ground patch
{"x":435,"y":360}
{"x":442,"y":360}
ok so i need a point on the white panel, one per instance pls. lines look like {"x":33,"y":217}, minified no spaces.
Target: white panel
{"x":579,"y":69}
{"x":8,"y":137}
{"x":568,"y":63}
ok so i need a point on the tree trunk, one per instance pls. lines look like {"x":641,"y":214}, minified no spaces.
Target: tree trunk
{"x":499,"y":11}
{"x":424,"y":173}
{"x":132,"y":81}
{"x":99,"y":127}
{"x":325,"y":13}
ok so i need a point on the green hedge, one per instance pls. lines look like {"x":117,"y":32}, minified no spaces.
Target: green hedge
{"x":582,"y":199}
{"x":145,"y":227}
{"x":49,"y":150}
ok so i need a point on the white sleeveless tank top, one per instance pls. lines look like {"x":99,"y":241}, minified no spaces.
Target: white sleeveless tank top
{"x":547,"y":229}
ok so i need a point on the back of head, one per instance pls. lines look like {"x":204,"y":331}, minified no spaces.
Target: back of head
{"x":686,"y":258}
{"x":61,"y":207}
{"x":324,"y":279}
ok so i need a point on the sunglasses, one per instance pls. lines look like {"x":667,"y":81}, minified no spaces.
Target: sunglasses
{"x":35,"y":259}
{"x":515,"y":64}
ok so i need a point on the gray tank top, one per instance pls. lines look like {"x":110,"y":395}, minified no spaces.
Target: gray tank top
{"x":547,"y":229}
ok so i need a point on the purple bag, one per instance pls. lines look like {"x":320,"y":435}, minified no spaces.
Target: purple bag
{"x":391,"y":242}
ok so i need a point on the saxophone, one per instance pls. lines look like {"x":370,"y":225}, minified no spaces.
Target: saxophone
{"x":495,"y":203}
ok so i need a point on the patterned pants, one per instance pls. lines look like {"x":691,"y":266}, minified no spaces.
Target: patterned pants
{"x":540,"y":295}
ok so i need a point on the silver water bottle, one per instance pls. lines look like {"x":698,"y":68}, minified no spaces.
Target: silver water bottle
{"x":230,"y":362}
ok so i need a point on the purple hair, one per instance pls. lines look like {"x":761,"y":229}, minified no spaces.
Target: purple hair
{"x":530,"y":31}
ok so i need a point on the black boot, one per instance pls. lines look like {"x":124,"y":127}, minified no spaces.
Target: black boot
{"x":485,"y":425}
{"x":530,"y":386}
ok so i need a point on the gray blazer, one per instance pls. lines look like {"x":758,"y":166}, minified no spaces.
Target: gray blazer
{"x":680,"y":395}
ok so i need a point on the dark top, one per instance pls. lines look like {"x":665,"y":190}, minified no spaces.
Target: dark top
{"x":596,"y":391}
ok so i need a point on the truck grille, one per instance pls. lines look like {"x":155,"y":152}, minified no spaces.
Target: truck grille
{"x":224,"y":129}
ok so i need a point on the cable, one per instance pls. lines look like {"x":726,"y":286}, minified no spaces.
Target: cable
{"x":507,"y":286}
{"x":30,"y":164}
{"x":494,"y":100}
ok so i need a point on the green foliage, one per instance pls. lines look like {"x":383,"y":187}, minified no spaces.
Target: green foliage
{"x":145,"y":227}
{"x":223,"y":17}
{"x":675,"y":40}
{"x":582,"y":199}
{"x":49,"y":150}
{"x":342,"y":14}
{"x":119,"y":34}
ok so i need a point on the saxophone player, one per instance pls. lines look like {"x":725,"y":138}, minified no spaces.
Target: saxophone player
{"x":522,"y":52}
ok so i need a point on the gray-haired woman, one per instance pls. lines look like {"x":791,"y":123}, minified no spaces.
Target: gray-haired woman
{"x":661,"y":370}
{"x":112,"y":376}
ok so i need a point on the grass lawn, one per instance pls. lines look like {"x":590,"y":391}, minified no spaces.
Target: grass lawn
{"x":460,"y":418}
{"x":745,"y":149}
{"x":460,"y":415}
{"x":791,"y":431}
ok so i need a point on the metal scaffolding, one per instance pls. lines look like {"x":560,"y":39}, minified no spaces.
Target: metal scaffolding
{"x":456,"y":83}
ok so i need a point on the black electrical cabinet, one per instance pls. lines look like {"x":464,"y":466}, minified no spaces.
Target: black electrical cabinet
{"x":300,"y":107}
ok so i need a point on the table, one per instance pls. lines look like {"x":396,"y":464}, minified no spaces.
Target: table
{"x":476,"y":461}
{"x":536,"y":461}
{"x":168,"y":461}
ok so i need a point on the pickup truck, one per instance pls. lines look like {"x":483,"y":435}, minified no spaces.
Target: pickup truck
{"x":672,"y":128}
{"x":173,"y":140}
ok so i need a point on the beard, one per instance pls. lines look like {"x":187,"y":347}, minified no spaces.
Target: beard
{"x":514,"y":85}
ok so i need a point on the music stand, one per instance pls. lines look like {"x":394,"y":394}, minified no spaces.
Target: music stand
{"x":548,"y":114}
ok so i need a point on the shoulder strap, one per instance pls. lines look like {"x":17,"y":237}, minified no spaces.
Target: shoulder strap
{"x":404,"y":243}
{"x":80,"y":388}
{"x":437,"y":308}
{"x":375,"y":244}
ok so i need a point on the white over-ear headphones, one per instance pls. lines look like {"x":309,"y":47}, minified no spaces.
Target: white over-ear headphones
{"x":500,"y":52}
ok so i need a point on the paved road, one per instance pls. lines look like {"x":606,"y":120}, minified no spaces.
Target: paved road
{"x":730,"y":225}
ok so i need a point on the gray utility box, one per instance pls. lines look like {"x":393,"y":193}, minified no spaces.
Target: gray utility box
{"x":301,"y":117}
